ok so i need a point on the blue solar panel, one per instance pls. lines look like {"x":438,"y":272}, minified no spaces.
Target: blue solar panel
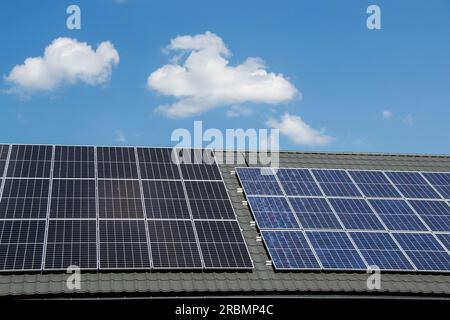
{"x":374,"y":184}
{"x":356,"y":214}
{"x":445,"y":239}
{"x":436,"y":214}
{"x":412,"y":185}
{"x":441,"y":181}
{"x":289,"y":250}
{"x":424,"y":251}
{"x":335,"y":250}
{"x":259,"y":181}
{"x":397,"y":215}
{"x":336,"y":183}
{"x":272,"y":212}
{"x":298,"y":182}
{"x":379,"y":249}
{"x":314,"y":213}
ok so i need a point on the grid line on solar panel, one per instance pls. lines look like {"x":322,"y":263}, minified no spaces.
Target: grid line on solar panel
{"x":222,"y":245}
{"x":30,"y":161}
{"x":116,"y":163}
{"x":259,"y":181}
{"x":355,"y":214}
{"x":335,"y":183}
{"x":119,"y":199}
{"x":335,"y":250}
{"x":440,"y":181}
{"x":436,"y":214}
{"x":290,"y":250}
{"x":71,"y":242}
{"x":380,"y":250}
{"x":21,"y":244}
{"x":73,"y":199}
{"x":424,"y":251}
{"x":412,"y":185}
{"x":397,"y":215}
{"x":272,"y":213}
{"x":74,"y":162}
{"x":374,"y":184}
{"x":123,"y":244}
{"x":445,"y":239}
{"x":314,"y":213}
{"x":24,"y":199}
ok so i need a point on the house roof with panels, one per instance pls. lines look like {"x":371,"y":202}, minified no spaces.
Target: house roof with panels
{"x":262,"y":280}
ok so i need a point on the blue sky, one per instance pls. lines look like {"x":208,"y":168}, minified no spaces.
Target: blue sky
{"x":346,"y":75}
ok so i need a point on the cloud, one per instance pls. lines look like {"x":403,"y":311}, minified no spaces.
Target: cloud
{"x":237,"y":111}
{"x":65,"y":61}
{"x":298,"y":131}
{"x":387,"y":114}
{"x":204,"y":79}
{"x":408,"y":119}
{"x":120,"y":137}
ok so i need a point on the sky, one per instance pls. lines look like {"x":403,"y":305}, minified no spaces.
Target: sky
{"x":138,"y":70}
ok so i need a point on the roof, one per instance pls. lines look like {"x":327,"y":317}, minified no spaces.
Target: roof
{"x":262,"y":280}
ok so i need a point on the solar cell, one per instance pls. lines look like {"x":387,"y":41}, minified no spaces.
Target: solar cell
{"x":24,"y":199}
{"x":374,"y":184}
{"x":298,"y":182}
{"x":289,"y":250}
{"x":315,"y":213}
{"x":336,"y":183}
{"x":259,"y":181}
{"x":272,"y":212}
{"x":335,"y":250}
{"x":173,"y":244}
{"x":3,"y":157}
{"x":30,"y":161}
{"x":424,"y":251}
{"x":74,"y":162}
{"x":441,"y":181}
{"x":200,"y":172}
{"x":356,"y":214}
{"x":445,"y":239}
{"x":436,"y":214}
{"x":71,"y":243}
{"x":119,"y":199}
{"x":397,"y":215}
{"x":116,"y":163}
{"x":21,"y":244}
{"x":222,"y":245}
{"x":379,"y":249}
{"x":123,"y":244}
{"x":412,"y":185}
{"x":73,"y":199}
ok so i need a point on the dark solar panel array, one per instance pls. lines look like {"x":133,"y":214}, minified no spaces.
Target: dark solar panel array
{"x":334,"y":219}
{"x":103,"y":208}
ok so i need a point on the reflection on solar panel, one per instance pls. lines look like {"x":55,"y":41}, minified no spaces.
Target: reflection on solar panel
{"x":102,"y":208}
{"x":357,"y":219}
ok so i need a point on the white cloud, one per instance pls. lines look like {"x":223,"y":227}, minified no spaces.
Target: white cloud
{"x":408,"y":119}
{"x":298,"y":131}
{"x":387,"y":114}
{"x":205,"y":79}
{"x":120,"y":137}
{"x":65,"y":61}
{"x":237,"y":111}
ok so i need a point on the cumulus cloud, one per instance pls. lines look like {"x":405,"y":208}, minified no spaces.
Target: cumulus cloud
{"x":201,"y":78}
{"x":65,"y":61}
{"x":387,"y":114}
{"x":298,"y":131}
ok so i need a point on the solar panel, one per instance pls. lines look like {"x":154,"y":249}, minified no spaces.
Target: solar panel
{"x":441,"y":181}
{"x":374,"y":184}
{"x":336,"y":183}
{"x":335,"y":250}
{"x":436,"y":214}
{"x":424,"y":251}
{"x":356,"y":214}
{"x":412,"y":185}
{"x":173,"y":244}
{"x":380,"y":250}
{"x":107,"y":208}
{"x":314,"y":213}
{"x":290,"y":250}
{"x":397,"y":215}
{"x":272,"y":213}
{"x":298,"y":182}
{"x":357,"y":219}
{"x":259,"y":181}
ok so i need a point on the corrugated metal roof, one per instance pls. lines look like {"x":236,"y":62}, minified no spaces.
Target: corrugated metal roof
{"x":263,"y":279}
